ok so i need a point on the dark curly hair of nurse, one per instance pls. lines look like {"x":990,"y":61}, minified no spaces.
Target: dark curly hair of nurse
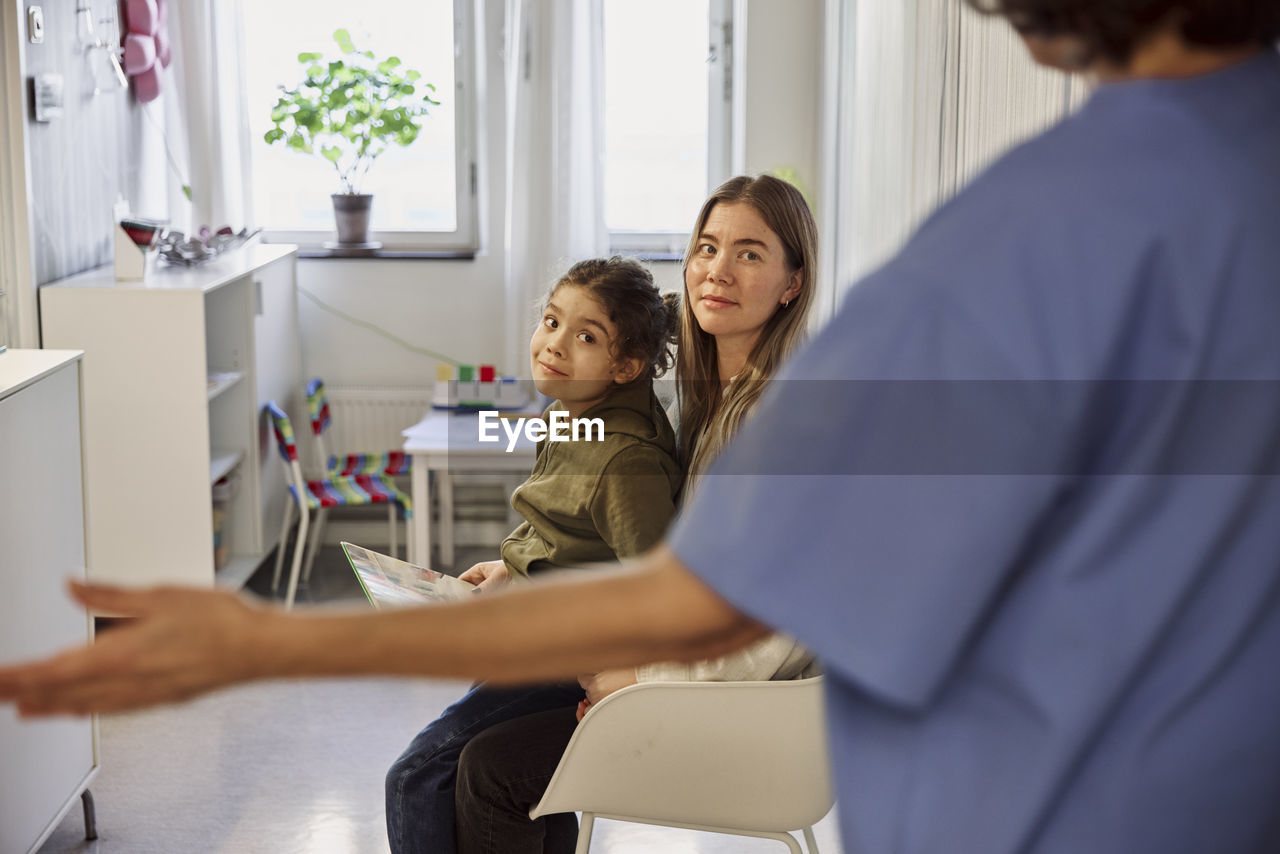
{"x":1112,"y":29}
{"x":646,"y":319}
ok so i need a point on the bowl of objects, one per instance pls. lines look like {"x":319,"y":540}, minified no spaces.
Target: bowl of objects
{"x":174,"y":247}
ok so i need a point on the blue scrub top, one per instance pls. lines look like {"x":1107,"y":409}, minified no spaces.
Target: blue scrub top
{"x":1021,"y":495}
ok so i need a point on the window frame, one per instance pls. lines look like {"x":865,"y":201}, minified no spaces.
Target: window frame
{"x":666,"y":244}
{"x":464,"y":240}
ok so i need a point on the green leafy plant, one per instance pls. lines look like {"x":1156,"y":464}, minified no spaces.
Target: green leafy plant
{"x":349,"y":109}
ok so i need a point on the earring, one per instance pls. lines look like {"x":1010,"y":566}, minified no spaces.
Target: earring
{"x":786,"y":302}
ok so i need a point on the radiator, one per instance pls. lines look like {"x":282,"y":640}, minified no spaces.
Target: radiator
{"x":369,"y":419}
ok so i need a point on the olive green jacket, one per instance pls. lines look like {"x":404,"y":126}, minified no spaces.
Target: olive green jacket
{"x":593,"y":501}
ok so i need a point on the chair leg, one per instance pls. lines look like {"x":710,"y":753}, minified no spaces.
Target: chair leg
{"x":791,"y":843}
{"x":391,"y":518}
{"x":810,"y":841}
{"x":297,"y":558}
{"x":322,"y":516}
{"x":284,"y":544}
{"x":584,"y":833}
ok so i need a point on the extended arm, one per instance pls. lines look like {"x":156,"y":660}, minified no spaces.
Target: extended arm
{"x":186,"y":642}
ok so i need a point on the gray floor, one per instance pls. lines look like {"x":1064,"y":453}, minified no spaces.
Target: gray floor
{"x":285,"y":767}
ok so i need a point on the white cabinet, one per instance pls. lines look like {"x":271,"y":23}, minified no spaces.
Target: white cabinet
{"x":176,"y":370}
{"x":46,"y":764}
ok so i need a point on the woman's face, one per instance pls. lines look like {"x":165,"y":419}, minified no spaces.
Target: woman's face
{"x":738,"y":277}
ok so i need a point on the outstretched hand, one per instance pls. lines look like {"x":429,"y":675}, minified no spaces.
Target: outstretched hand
{"x":177,"y":643}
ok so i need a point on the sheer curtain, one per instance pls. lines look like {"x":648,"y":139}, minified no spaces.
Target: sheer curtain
{"x":554,"y":152}
{"x":206,"y":118}
{"x":927,"y":94}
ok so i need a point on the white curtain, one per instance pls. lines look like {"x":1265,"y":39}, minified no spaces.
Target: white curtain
{"x":554,"y":153}
{"x":928,"y":93}
{"x":205,"y":116}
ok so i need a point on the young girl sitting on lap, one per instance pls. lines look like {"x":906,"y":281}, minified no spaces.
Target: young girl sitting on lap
{"x":604,"y":336}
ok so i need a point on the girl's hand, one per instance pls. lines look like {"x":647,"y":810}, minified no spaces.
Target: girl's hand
{"x":488,"y":575}
{"x":602,"y":684}
{"x":583,"y":705}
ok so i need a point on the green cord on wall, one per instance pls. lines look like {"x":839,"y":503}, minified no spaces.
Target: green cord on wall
{"x":378,"y":330}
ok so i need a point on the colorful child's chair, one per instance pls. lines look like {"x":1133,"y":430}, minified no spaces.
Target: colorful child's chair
{"x":320,"y":495}
{"x":390,"y":463}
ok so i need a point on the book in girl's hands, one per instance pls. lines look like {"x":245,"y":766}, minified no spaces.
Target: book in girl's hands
{"x":389,"y":582}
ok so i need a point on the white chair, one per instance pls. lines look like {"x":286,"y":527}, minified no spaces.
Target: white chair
{"x":745,"y":758}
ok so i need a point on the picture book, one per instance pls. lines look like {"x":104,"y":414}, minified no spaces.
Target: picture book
{"x":389,"y":582}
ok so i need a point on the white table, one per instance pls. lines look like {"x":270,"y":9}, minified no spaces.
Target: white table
{"x":444,"y":442}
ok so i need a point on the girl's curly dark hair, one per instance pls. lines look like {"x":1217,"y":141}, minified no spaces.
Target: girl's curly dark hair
{"x":1112,"y":29}
{"x":646,"y":320}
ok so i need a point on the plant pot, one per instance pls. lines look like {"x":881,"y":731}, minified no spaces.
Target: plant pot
{"x":351,"y":214}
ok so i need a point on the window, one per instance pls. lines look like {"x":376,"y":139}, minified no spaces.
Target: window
{"x":668,"y":67}
{"x":424,"y":194}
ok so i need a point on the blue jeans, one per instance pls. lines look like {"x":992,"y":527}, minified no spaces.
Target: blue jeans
{"x":420,"y":784}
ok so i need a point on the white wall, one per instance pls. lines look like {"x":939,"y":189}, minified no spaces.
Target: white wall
{"x":783,"y":78}
{"x":456,"y":307}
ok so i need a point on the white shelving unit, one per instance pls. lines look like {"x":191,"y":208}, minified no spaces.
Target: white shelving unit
{"x":177,"y":368}
{"x":47,"y":764}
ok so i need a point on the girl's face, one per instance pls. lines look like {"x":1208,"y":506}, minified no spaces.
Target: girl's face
{"x":738,"y":276}
{"x":571,"y":351}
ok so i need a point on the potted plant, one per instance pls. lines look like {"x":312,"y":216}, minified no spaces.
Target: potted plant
{"x":348,"y":110}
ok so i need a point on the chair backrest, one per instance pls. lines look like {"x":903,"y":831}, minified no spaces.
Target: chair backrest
{"x":318,"y":406}
{"x":318,"y":413}
{"x":744,"y":755}
{"x":286,"y":445}
{"x":283,"y":428}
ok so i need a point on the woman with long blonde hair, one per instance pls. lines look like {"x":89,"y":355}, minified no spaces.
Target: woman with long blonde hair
{"x":747,"y":301}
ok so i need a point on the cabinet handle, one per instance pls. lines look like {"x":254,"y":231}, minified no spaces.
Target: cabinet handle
{"x":257,"y":297}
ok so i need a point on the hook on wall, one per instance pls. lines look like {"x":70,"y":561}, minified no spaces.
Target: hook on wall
{"x":91,"y":43}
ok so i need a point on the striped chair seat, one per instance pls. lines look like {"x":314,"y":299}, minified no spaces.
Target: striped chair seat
{"x":386,"y":462}
{"x":389,"y":463}
{"x":354,"y":490}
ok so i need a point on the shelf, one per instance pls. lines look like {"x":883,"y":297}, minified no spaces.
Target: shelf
{"x":232,"y":322}
{"x":222,"y":462}
{"x":236,"y":572}
{"x":220,"y":381}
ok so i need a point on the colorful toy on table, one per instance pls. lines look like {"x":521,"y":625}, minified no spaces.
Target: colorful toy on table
{"x":464,"y":390}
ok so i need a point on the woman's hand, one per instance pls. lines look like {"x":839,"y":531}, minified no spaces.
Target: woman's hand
{"x":179,"y":643}
{"x":488,"y":575}
{"x":602,"y":684}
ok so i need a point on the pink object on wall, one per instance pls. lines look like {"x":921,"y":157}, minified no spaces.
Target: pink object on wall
{"x":146,"y":86}
{"x":146,"y":47}
{"x":139,"y":53}
{"x":162,"y":47}
{"x":142,"y":17}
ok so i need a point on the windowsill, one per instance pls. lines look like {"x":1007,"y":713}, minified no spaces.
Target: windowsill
{"x":319,"y":252}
